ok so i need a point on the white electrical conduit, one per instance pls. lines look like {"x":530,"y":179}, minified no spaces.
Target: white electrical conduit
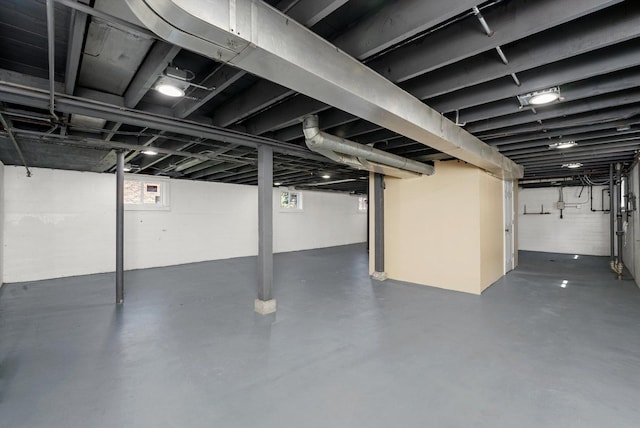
{"x":360,"y":156}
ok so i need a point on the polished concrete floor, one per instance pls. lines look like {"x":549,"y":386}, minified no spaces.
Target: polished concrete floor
{"x":187,"y":350}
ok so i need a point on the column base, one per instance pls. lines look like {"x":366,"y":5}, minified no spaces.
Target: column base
{"x":264,"y":307}
{"x":379,"y":276}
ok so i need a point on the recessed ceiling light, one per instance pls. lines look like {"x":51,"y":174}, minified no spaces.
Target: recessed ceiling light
{"x":572,"y":165}
{"x":538,"y":98}
{"x":563,"y":145}
{"x":326,"y":176}
{"x":149,"y":152}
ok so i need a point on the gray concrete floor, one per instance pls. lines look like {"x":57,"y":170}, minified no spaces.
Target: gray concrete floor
{"x":186,"y":350}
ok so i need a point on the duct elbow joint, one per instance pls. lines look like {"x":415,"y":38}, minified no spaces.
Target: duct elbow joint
{"x":310,"y":126}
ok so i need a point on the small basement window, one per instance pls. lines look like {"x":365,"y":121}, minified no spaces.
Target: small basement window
{"x":290,"y":201}
{"x":146,"y":193}
{"x":363,"y":204}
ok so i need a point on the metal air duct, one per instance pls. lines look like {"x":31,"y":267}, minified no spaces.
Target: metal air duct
{"x":253,"y":36}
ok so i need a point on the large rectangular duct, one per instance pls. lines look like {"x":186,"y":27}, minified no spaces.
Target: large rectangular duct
{"x":253,"y":36}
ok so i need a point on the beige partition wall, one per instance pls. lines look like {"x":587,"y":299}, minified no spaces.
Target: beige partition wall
{"x":516,"y":195}
{"x":492,"y":234}
{"x":445,"y":230}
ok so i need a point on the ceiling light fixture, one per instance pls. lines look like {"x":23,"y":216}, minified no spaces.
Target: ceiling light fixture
{"x":127,"y":167}
{"x":572,"y":165}
{"x":623,"y":128}
{"x":326,"y":176}
{"x":277,"y":184}
{"x":173,"y":82}
{"x":149,"y":152}
{"x":563,"y":145}
{"x":170,"y":90}
{"x":538,"y":98}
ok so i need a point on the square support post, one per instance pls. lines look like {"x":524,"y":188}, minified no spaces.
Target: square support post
{"x":120,"y":228}
{"x":378,"y":197}
{"x":265,"y":303}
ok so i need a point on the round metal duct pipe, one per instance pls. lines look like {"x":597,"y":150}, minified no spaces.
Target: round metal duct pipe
{"x":359,"y":155}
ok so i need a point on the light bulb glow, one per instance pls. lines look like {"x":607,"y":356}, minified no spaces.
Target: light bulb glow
{"x":170,"y":90}
{"x":567,"y":144}
{"x":149,"y":152}
{"x":326,"y":176}
{"x":563,"y":145}
{"x":544,"y":98}
{"x":572,"y":165}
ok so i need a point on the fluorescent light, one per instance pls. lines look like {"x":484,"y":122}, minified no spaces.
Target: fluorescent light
{"x":623,"y":128}
{"x":572,"y":165}
{"x":575,"y":257}
{"x":564,"y":284}
{"x":170,"y":90}
{"x":563,"y":145}
{"x":277,"y":184}
{"x":326,"y":176}
{"x":149,"y":152}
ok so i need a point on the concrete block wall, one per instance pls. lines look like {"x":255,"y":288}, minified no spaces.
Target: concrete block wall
{"x":62,"y":223}
{"x":580,"y":231}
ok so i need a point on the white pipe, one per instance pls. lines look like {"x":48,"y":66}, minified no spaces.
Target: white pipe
{"x":483,"y":22}
{"x":502,"y":56}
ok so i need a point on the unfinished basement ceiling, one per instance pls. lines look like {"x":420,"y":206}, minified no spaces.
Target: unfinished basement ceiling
{"x":469,"y":64}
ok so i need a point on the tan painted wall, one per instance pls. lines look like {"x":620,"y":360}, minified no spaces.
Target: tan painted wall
{"x":516,"y":190}
{"x":492,"y":234}
{"x":432,"y":228}
{"x":445,"y":230}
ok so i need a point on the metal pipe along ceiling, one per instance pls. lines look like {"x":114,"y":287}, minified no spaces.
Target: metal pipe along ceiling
{"x":358,"y":155}
{"x":255,"y":37}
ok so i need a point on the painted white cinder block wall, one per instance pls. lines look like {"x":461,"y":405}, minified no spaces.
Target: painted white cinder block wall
{"x":62,"y":223}
{"x":327,"y":220}
{"x":57,"y":223}
{"x":580,"y":231}
{"x":207,"y":221}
